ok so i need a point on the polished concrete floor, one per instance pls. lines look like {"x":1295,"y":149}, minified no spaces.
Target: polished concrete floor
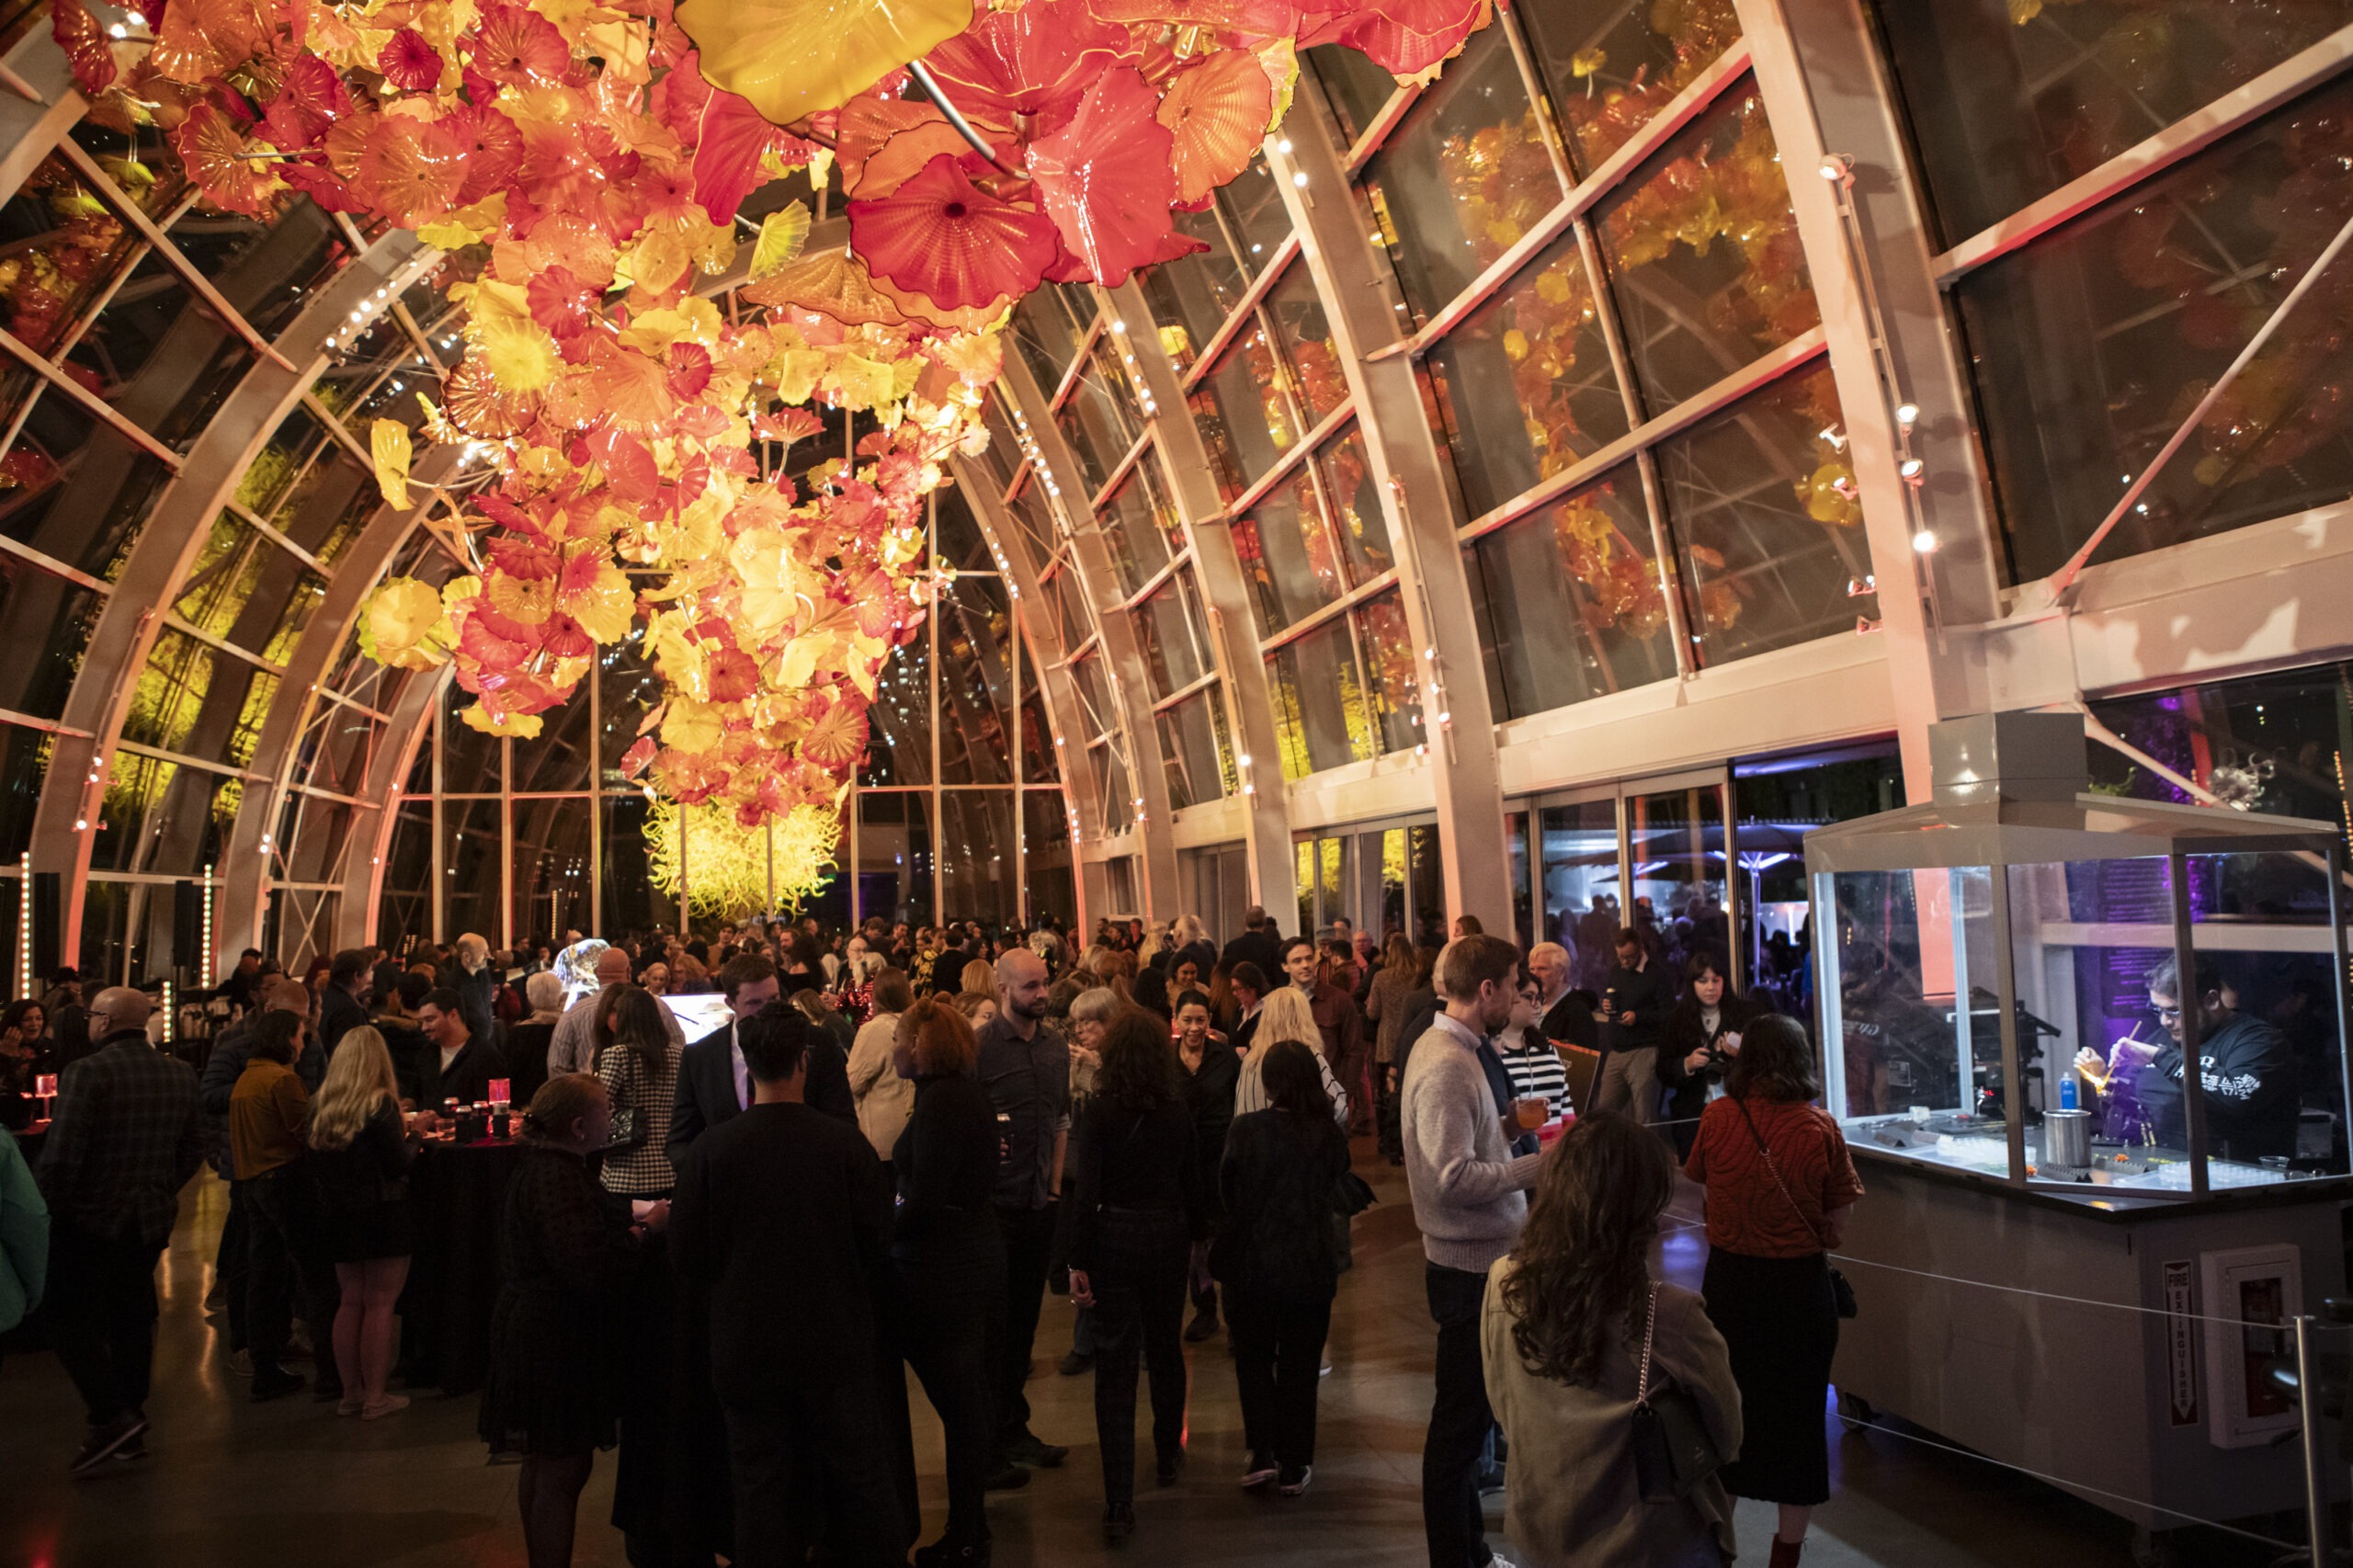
{"x":286,"y":1485}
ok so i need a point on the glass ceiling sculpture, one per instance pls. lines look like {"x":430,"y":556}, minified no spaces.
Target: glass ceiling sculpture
{"x":595,"y":158}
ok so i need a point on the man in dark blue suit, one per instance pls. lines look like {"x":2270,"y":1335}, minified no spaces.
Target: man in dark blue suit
{"x":715,"y":1084}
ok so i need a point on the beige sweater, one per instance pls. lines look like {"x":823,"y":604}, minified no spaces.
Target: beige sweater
{"x":1574,"y":1500}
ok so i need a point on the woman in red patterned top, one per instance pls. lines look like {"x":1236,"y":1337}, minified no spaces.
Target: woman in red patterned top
{"x":1779,"y":1184}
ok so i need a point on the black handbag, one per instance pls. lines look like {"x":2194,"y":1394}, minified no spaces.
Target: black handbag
{"x":1842,"y":1293}
{"x":1672,"y":1451}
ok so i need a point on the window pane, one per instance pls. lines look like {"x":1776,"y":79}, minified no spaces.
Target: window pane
{"x":2092,"y":345}
{"x":1287,"y":553}
{"x":406,"y":908}
{"x":1356,"y":87}
{"x":1252,"y":208}
{"x":63,"y":248}
{"x":24,"y":763}
{"x":1168,"y":625}
{"x":1321,"y":716}
{"x":74,"y":490}
{"x":977,"y":858}
{"x":1425,"y":860}
{"x":550,"y":857}
{"x":1357,"y":520}
{"x":1306,"y":339}
{"x":2054,"y":91}
{"x":1762,"y":505}
{"x":193,"y":699}
{"x":1242,"y":414}
{"x":470,"y":758}
{"x":1388,"y":647}
{"x":898,"y":748}
{"x":1703,"y":254}
{"x":957,"y":544}
{"x":265,"y":271}
{"x":47,"y":621}
{"x":470,"y":850}
{"x":160,"y":816}
{"x":1100,"y":421}
{"x":1569,"y":602}
{"x":1046,"y":854}
{"x":1139,"y":525}
{"x":1579,"y":848}
{"x":631,"y":902}
{"x":161,"y":358}
{"x":1613,"y":65}
{"x":975,"y":681}
{"x":1094,"y":695}
{"x":1041,"y":760}
{"x":557,"y":757}
{"x":1525,"y":386}
{"x":895,"y":857}
{"x":1048,"y":328}
{"x":1068,"y":596}
{"x":1111,"y":789}
{"x":1034,"y":518}
{"x":1463,"y":178}
{"x":1191,"y":296}
{"x":248,"y":591}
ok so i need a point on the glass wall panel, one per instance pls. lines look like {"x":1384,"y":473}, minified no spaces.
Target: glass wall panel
{"x":1049,"y":328}
{"x":1101,"y":420}
{"x":1425,"y":874}
{"x":1168,"y":625}
{"x":1355,"y":502}
{"x":1524,"y":385}
{"x":105,"y":955}
{"x":1287,"y":555}
{"x":65,"y":249}
{"x":267,"y":270}
{"x":472,"y":851}
{"x":74,"y":490}
{"x":1569,"y":601}
{"x":1762,"y":503}
{"x":1354,"y":86}
{"x":1241,"y":413}
{"x":2093,"y":343}
{"x":1321,"y":719}
{"x":1111,"y":789}
{"x":630,"y":900}
{"x":405,"y":907}
{"x":1578,"y":848}
{"x":1775,"y":801}
{"x":1463,"y":178}
{"x":1034,"y":519}
{"x":1612,"y":64}
{"x":1068,"y":596}
{"x":1388,"y":646}
{"x":199,"y":701}
{"x":894,"y":865}
{"x":1094,"y":695}
{"x":1140,"y":525}
{"x":1252,"y":208}
{"x":898,"y":746}
{"x":549,"y":856}
{"x":24,"y":763}
{"x":1040,"y":759}
{"x":245,"y":590}
{"x":1193,"y":743}
{"x":1046,"y":857}
{"x":975,"y":681}
{"x":1703,"y":254}
{"x":1191,"y":296}
{"x":159,"y":816}
{"x":2052,"y":92}
{"x":1297,"y":312}
{"x":1681,"y":905}
{"x":49,"y":621}
{"x":472,"y":761}
{"x":977,"y":856}
{"x":957,"y":544}
{"x":165,"y":361}
{"x":557,"y":757}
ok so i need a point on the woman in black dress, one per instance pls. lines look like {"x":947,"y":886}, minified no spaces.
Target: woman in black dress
{"x":361,"y":1150}
{"x":563,"y":1244}
{"x":1212,"y":1069}
{"x":1276,"y":1253}
{"x":951,"y":1261}
{"x":1139,"y":1210}
{"x":1702,"y":1037}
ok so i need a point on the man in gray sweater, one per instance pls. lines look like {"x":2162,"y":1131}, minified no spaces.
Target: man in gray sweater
{"x":1469,"y":1199}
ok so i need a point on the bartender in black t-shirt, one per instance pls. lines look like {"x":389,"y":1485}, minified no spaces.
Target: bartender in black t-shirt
{"x":2244,"y":1067}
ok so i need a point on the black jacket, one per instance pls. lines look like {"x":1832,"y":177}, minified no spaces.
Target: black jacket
{"x":1132,"y":1159}
{"x":1570,"y":1020}
{"x":707,"y":1086}
{"x":340,"y":1012}
{"x":1648,"y":994}
{"x":466,"y":1080}
{"x":783,"y":1214}
{"x":1209,"y":1095}
{"x":1685,"y":1034}
{"x":1275,"y":1184}
{"x":945,"y":1161}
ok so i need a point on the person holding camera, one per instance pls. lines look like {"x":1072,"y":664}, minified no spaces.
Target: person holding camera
{"x":1702,"y":1037}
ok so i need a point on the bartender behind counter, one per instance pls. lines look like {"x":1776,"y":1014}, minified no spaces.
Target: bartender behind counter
{"x":2245,"y":1068}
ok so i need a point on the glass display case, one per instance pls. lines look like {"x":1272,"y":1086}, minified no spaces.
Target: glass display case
{"x":2013,"y":975}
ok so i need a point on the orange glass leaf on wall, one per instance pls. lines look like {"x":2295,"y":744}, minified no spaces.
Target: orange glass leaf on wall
{"x":409,"y":62}
{"x":1405,"y":38}
{"x":1037,"y":61}
{"x":202,"y":41}
{"x":413,"y":169}
{"x":836,"y":735}
{"x":729,"y":139}
{"x":78,"y":33}
{"x":1105,"y":178}
{"x":516,"y":45}
{"x":1217,"y":112}
{"x":213,"y":149}
{"x":944,"y":238}
{"x":793,"y":58}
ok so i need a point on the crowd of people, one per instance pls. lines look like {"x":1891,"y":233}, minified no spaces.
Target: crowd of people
{"x":725,"y":1258}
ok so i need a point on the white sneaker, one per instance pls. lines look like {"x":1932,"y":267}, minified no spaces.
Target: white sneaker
{"x":1500,"y":1560}
{"x":1293,"y":1488}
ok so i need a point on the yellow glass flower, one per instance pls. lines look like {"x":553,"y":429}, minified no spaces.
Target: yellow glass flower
{"x":795,"y":58}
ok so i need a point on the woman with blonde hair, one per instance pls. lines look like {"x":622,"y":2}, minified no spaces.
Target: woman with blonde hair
{"x":978,"y":975}
{"x":361,"y":1152}
{"x":1285,"y":1015}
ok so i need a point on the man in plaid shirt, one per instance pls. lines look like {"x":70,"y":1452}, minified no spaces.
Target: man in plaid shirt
{"x":128,"y":1134}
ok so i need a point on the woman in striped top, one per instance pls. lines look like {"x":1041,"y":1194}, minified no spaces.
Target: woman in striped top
{"x":1533,"y":1062}
{"x":640,"y":1068}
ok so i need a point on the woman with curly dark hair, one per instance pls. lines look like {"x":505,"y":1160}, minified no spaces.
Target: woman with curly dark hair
{"x":1139,"y":1210}
{"x":1569,"y":1314}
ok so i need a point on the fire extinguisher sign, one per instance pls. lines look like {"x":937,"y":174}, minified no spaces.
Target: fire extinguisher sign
{"x":2181,"y":1341}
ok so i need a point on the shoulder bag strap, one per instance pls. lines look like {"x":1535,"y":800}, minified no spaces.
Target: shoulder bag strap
{"x":1650,"y":1328}
{"x":1812,"y":1228}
